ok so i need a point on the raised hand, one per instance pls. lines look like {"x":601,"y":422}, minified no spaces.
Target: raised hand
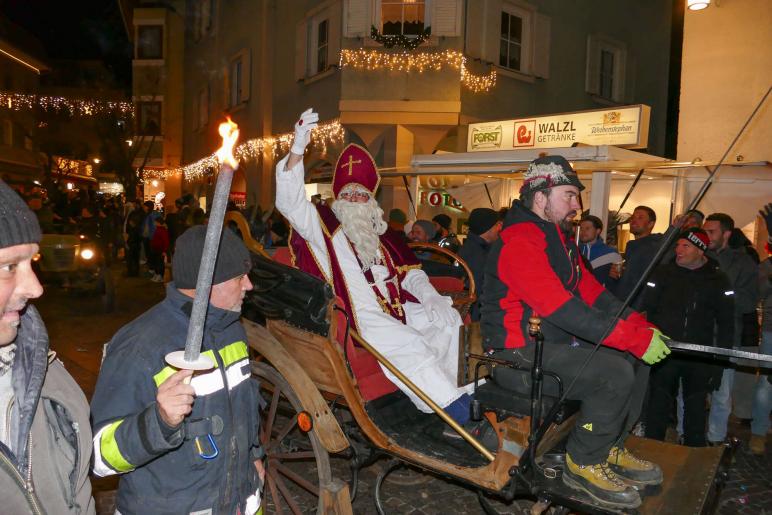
{"x":307,"y":121}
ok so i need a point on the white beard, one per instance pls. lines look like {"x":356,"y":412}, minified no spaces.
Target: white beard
{"x":362,"y":223}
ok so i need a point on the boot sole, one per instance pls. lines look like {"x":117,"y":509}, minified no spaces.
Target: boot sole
{"x":571,"y":483}
{"x":637,"y":482}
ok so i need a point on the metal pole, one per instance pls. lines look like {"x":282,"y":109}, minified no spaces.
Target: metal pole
{"x":208,"y":259}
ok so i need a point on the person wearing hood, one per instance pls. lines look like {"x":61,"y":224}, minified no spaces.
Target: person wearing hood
{"x":535,"y":269}
{"x":45,"y":438}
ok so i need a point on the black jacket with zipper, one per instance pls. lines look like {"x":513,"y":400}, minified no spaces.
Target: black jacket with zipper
{"x":163,"y":470}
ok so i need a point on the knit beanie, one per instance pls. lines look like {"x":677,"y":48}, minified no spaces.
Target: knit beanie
{"x":233,"y":257}
{"x":397,"y":215}
{"x":547,"y":172}
{"x":481,"y":219}
{"x":443,"y":220}
{"x":427,"y":226}
{"x":18,"y":224}
{"x":697,"y":237}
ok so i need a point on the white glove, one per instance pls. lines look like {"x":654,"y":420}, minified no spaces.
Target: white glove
{"x":308,"y":121}
{"x":440,"y":309}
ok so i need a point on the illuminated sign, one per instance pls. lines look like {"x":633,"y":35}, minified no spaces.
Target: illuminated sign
{"x":622,"y":127}
{"x":439,"y":198}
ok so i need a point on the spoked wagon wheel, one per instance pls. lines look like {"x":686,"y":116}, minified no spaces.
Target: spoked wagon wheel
{"x":296,"y":462}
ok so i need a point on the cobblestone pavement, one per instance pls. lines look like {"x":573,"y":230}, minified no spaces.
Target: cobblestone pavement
{"x":78,"y":330}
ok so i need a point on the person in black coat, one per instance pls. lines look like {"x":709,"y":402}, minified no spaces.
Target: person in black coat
{"x":484,"y":228}
{"x":690,"y":300}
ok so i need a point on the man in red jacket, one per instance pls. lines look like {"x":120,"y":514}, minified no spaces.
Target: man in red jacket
{"x":538,"y":271}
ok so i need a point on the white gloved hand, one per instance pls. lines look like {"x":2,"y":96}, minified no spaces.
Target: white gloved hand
{"x":440,"y":309}
{"x":308,"y":121}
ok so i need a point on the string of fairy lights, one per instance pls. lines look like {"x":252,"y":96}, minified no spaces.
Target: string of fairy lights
{"x":74,"y":107}
{"x":372,"y":60}
{"x":325,"y":134}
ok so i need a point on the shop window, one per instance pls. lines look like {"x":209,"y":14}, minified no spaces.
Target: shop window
{"x":405,"y":18}
{"x":514,"y":39}
{"x":149,"y":118}
{"x":150,"y":42}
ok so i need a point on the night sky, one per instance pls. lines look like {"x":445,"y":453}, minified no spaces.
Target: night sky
{"x":76,"y":29}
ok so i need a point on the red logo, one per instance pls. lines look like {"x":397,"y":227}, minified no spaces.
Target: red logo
{"x":524,"y":133}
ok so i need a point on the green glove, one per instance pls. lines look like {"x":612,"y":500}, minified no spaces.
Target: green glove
{"x":657,"y":350}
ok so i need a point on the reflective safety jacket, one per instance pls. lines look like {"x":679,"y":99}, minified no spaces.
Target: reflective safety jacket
{"x":178,"y":470}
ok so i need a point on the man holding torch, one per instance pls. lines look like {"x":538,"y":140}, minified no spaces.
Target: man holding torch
{"x":185,"y":442}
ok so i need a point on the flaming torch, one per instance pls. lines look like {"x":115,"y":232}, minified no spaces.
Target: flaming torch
{"x":191,"y":358}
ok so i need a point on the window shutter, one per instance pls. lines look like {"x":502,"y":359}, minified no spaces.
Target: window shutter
{"x":592,"y":78}
{"x":541,"y":46}
{"x":246,"y":74}
{"x":334,"y":35}
{"x":301,"y":45}
{"x":356,"y":18}
{"x":446,"y":17}
{"x":620,"y":74}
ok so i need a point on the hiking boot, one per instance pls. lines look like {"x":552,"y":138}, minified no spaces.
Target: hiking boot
{"x":482,"y":431}
{"x":632,"y":469}
{"x":600,"y":483}
{"x":758,"y":444}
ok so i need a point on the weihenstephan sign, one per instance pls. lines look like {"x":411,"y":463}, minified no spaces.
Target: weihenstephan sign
{"x":621,"y":126}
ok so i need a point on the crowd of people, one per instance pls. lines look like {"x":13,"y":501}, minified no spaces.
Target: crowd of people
{"x":151,"y":421}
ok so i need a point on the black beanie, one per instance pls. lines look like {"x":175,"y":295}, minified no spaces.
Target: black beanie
{"x":481,"y":219}
{"x":232,"y":257}
{"x":18,"y":224}
{"x":444,"y":221}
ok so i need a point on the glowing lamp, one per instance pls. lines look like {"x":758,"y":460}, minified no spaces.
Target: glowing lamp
{"x":697,"y":5}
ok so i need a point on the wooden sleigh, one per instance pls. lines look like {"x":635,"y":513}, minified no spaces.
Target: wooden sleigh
{"x":327,"y":394}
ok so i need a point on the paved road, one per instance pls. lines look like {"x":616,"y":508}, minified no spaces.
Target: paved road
{"x":78,"y":330}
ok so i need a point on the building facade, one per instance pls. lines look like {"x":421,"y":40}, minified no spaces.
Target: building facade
{"x":264,"y":62}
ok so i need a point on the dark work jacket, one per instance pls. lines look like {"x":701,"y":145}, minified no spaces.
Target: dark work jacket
{"x":163,"y":472}
{"x":535,"y":269}
{"x":475,"y":252}
{"x":638,"y":255}
{"x":693,"y":306}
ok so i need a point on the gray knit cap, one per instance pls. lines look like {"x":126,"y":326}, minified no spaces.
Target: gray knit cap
{"x":233,"y":257}
{"x":18,"y":224}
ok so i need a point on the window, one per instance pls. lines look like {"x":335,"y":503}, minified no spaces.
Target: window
{"x":402,"y":17}
{"x":322,"y":46}
{"x":236,"y":76}
{"x":149,"y":118}
{"x":150,"y":42}
{"x":511,"y":44}
{"x":606,"y":74}
{"x":203,"y":107}
{"x":202,"y":18}
{"x":605,"y":68}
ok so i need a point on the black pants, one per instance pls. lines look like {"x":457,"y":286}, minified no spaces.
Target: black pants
{"x":132,"y":257}
{"x":695,"y":379}
{"x":611,"y":390}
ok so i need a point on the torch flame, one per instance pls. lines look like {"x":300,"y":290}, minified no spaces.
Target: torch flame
{"x":229,"y":132}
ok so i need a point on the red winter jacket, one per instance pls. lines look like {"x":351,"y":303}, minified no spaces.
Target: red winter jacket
{"x":160,"y":241}
{"x":535,"y":268}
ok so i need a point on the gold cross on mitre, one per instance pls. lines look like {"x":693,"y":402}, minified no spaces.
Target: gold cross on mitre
{"x":350,"y":164}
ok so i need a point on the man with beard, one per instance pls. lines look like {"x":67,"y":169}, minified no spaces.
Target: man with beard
{"x":386,"y":295}
{"x":535,"y":269}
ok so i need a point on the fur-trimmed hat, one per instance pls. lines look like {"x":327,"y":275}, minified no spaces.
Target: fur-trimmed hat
{"x":547,"y":172}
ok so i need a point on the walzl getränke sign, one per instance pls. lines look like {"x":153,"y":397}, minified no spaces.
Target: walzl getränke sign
{"x":621,"y":126}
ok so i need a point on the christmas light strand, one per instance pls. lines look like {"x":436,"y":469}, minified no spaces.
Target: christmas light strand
{"x":323,"y":135}
{"x":371,"y":60}
{"x":75,"y":107}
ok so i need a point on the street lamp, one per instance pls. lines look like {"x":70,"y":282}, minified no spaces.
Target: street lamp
{"x":697,"y":5}
{"x":96,"y":160}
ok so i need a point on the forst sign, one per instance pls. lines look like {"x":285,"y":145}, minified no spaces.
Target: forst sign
{"x":622,"y":127}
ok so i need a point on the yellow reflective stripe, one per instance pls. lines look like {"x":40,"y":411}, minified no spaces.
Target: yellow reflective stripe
{"x":111,"y":454}
{"x":234,"y":352}
{"x":167,"y":371}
